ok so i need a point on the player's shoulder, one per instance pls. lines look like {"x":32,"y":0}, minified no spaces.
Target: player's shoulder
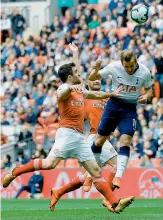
{"x":143,"y":69}
{"x":62,"y":86}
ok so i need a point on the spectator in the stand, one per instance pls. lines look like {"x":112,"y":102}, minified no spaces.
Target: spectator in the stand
{"x":4,"y":139}
{"x":40,"y":99}
{"x":153,"y":129}
{"x":159,"y":68}
{"x":40,"y":152}
{"x":19,"y":71}
{"x":5,"y":24}
{"x":24,"y":136}
{"x":18,"y":23}
{"x":31,"y":116}
{"x":160,"y":151}
{"x":149,"y":152}
{"x":22,"y":99}
{"x":35,"y":185}
{"x":7,"y":163}
{"x":94,"y":23}
{"x":48,"y":116}
{"x":21,"y":158}
{"x":29,"y":67}
{"x":133,"y":154}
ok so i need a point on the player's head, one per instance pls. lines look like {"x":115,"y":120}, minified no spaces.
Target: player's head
{"x":93,"y":85}
{"x":129,"y":61}
{"x":68,"y":73}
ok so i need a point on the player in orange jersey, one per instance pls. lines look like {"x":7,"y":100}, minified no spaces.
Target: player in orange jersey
{"x":93,"y":112}
{"x":70,"y":141}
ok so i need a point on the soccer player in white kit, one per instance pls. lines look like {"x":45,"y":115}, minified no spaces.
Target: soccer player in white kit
{"x":121,"y":112}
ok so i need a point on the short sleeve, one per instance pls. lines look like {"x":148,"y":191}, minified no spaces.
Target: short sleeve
{"x":106,"y":71}
{"x":62,"y":88}
{"x":148,"y":81}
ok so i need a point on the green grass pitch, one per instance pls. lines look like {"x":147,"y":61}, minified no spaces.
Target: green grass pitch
{"x":79,"y":209}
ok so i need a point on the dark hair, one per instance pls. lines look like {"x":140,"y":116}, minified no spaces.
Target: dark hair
{"x":8,"y":157}
{"x":65,"y":70}
{"x":20,"y":152}
{"x":127,"y":55}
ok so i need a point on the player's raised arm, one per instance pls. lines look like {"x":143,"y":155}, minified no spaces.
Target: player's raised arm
{"x":97,"y":73}
{"x":75,"y":52}
{"x":102,"y":95}
{"x":94,"y":73}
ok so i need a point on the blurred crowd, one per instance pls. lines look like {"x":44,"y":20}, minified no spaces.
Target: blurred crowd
{"x":29,"y":77}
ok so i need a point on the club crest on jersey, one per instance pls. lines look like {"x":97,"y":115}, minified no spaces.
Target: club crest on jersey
{"x":127,"y":88}
{"x":101,"y":105}
{"x":78,"y":103}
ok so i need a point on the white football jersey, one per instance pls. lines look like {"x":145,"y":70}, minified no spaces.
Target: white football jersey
{"x":132,"y":84}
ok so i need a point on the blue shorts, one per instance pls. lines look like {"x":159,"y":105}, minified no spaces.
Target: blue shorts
{"x":119,"y":114}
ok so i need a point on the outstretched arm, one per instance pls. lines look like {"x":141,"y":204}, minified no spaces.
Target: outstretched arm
{"x":101,"y":95}
{"x":75,"y":52}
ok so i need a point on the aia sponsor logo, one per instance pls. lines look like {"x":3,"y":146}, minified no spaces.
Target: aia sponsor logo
{"x":126,"y":88}
{"x":12,"y":189}
{"x":151,"y":184}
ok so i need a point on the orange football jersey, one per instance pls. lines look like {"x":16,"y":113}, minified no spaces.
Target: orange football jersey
{"x":72,"y":112}
{"x":93,"y":111}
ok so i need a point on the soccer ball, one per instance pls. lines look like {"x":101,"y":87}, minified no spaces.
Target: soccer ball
{"x":140,"y":13}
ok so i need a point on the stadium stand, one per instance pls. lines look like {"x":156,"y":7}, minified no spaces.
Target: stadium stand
{"x":29,"y":73}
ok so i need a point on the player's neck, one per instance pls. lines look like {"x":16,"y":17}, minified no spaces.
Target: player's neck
{"x":69,"y":82}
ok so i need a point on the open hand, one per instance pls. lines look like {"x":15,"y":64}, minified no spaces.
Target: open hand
{"x":97,"y":65}
{"x":73,"y":47}
{"x":117,"y":92}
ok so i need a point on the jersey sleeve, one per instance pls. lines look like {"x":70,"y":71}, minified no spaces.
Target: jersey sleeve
{"x":148,"y":80}
{"x":106,"y":71}
{"x":61,"y":88}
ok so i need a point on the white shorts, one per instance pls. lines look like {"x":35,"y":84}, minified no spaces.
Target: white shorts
{"x":108,"y":150}
{"x":71,"y":143}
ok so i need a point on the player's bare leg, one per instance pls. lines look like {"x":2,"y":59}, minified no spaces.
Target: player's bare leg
{"x":111,"y":164}
{"x":36,"y":164}
{"x":117,"y":205}
{"x":122,"y":160}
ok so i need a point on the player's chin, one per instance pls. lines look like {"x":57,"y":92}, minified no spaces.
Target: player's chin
{"x":78,"y":82}
{"x":96,"y":87}
{"x":130,"y":73}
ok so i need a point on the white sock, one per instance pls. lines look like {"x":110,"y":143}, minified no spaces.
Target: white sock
{"x":122,"y":162}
